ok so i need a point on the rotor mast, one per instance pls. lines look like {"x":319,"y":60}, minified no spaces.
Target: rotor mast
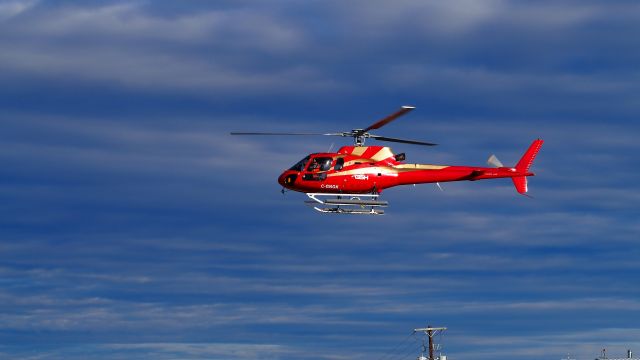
{"x":430,"y":332}
{"x":360,"y":134}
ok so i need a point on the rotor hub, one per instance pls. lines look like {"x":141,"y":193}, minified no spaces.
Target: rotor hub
{"x":358,"y":136}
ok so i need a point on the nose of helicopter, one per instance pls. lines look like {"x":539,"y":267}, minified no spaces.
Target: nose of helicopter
{"x":287,"y":178}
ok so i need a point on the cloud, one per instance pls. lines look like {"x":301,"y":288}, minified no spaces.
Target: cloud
{"x":13,"y":8}
{"x":162,"y":350}
{"x":141,"y":50}
{"x":135,"y":226}
{"x":211,"y":351}
{"x":204,"y":50}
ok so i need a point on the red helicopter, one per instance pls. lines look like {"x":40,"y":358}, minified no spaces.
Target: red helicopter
{"x":351,"y":180}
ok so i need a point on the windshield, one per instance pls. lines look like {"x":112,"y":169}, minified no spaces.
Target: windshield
{"x":299,"y":166}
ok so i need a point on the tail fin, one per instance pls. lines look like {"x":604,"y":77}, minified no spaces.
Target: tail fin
{"x":520,"y":182}
{"x":527,"y":159}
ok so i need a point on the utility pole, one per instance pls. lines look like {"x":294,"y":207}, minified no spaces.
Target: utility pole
{"x":431,"y":332}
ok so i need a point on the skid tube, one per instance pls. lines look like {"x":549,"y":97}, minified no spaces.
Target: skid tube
{"x":360,"y":204}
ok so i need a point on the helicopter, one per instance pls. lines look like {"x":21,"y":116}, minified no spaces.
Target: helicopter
{"x":351,"y":180}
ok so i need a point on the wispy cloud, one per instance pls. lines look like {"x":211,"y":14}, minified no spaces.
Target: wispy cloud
{"x":12,"y":8}
{"x":133,"y":225}
{"x":140,"y":50}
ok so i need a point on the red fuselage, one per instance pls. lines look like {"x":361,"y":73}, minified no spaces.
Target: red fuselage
{"x":371,"y":169}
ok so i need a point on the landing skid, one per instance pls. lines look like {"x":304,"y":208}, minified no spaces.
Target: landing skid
{"x":363,"y":204}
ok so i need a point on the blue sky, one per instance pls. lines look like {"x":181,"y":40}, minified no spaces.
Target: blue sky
{"x":134,"y":226}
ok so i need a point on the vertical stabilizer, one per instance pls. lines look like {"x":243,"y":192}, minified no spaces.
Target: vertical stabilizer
{"x":520,"y":181}
{"x":527,"y":159}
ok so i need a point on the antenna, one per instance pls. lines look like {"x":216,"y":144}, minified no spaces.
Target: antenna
{"x":430,"y":332}
{"x":603,"y":356}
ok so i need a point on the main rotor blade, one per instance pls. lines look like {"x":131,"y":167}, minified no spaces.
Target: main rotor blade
{"x":384,"y":138}
{"x":279,"y":133}
{"x":380,"y":123}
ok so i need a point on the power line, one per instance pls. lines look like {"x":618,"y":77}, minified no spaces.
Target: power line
{"x":389,"y":354}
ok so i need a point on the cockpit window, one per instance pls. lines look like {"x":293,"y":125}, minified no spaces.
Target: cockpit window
{"x":320,"y":163}
{"x":339,"y":164}
{"x":299,"y":166}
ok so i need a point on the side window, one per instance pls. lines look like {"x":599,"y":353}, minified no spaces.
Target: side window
{"x":315,"y":176}
{"x":339,"y":164}
{"x":313,"y":165}
{"x":316,"y":171}
{"x":325,"y":163}
{"x":320,"y":164}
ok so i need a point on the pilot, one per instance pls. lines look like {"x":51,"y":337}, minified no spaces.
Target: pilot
{"x":314,"y":165}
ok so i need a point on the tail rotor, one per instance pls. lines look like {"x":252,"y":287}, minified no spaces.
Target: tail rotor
{"x":493,"y":161}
